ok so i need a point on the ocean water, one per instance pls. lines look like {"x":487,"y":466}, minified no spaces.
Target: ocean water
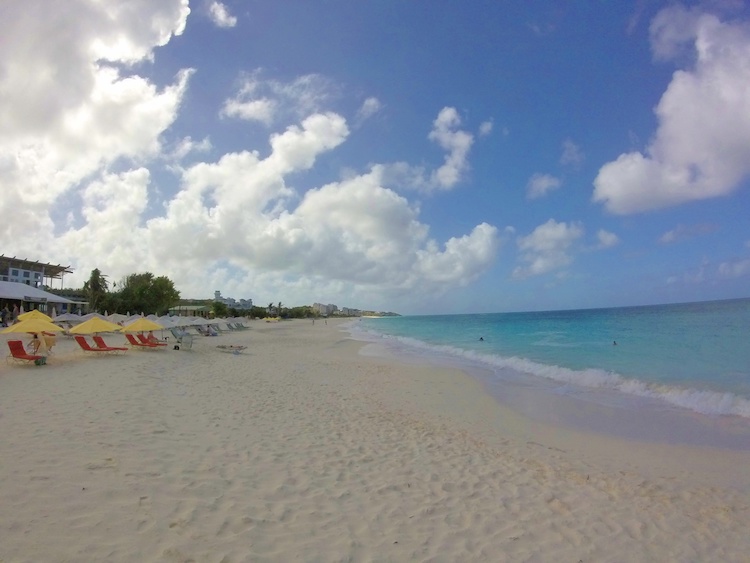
{"x":693,"y":356}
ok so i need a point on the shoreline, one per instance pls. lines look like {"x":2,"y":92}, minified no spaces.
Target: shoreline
{"x":607,"y":412}
{"x":559,"y":424}
{"x":299,"y":447}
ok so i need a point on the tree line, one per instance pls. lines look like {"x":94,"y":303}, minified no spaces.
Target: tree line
{"x":136,"y":293}
{"x":146,"y":293}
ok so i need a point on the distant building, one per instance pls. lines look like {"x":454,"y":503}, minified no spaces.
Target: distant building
{"x":324,"y":310}
{"x":30,"y":272}
{"x":333,"y":310}
{"x":349,"y":312}
{"x":191,"y":311}
{"x":242,"y":304}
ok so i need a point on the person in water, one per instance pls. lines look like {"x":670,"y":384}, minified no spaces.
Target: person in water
{"x":481,"y":339}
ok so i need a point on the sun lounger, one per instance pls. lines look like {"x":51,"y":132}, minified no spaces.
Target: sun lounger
{"x":140,"y":345}
{"x":87,"y":347}
{"x":150,"y":340}
{"x":184,"y":339}
{"x":99,"y":341}
{"x":19,"y":355}
{"x":208,"y":331}
{"x":232,"y":348}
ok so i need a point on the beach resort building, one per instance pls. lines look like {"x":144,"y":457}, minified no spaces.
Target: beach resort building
{"x":324,"y":310}
{"x":30,"y":272}
{"x":241,"y":305}
{"x":333,"y":310}
{"x":23,"y":283}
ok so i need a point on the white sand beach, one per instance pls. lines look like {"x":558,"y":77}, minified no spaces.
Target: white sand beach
{"x":299,"y":448}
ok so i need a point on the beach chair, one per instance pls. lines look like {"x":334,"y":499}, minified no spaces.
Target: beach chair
{"x":19,"y":355}
{"x":86,"y":347}
{"x":140,"y":345}
{"x":150,"y":340}
{"x":207,"y":331}
{"x":99,"y":341}
{"x":184,"y":339}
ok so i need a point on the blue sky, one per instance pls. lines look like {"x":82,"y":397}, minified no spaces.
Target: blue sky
{"x":395,"y":155}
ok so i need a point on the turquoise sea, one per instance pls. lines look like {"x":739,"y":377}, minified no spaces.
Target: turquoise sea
{"x":693,"y":356}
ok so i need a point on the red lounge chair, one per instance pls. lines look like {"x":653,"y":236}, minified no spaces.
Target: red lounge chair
{"x":18,"y":354}
{"x":150,"y":340}
{"x":99,"y":341}
{"x":86,"y":347}
{"x":135,"y":344}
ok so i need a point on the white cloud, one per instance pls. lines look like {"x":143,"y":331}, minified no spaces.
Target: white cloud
{"x":85,"y":177}
{"x":220,"y":15}
{"x":253,"y":110}
{"x":187,"y":145}
{"x":702,"y":145}
{"x":685,"y":232}
{"x":355,"y":231}
{"x":541,"y":184}
{"x":485,"y":128}
{"x":369,"y":107}
{"x":606,"y":239}
{"x":445,"y":133}
{"x":404,"y":176}
{"x":734,"y":269}
{"x":268,"y":100}
{"x":547,"y":248}
{"x":572,"y":155}
{"x":58,"y":129}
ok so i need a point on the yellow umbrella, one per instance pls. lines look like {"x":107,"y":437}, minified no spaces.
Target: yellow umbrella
{"x":33,"y":325}
{"x":35,"y":314}
{"x":142,"y":325}
{"x":95,"y":324}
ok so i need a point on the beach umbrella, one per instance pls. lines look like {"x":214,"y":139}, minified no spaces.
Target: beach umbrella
{"x":32,"y":326}
{"x":117,"y":317}
{"x":93,"y":325}
{"x":142,"y":325}
{"x":68,"y":317}
{"x":34,"y":314}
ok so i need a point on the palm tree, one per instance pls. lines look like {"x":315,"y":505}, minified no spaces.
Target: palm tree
{"x":278,"y":311}
{"x":96,"y":288}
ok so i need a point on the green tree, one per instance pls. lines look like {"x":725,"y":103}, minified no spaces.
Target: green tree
{"x":220,"y":309}
{"x":164,"y":295}
{"x":96,"y":289}
{"x":258,"y":312}
{"x":147,"y":294}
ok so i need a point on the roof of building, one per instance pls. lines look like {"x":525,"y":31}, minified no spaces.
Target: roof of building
{"x":50,"y":270}
{"x":22,"y":292}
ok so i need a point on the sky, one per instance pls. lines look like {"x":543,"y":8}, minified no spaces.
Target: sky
{"x":409,"y":156}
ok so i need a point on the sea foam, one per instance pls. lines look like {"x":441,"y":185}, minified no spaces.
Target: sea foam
{"x":701,"y":401}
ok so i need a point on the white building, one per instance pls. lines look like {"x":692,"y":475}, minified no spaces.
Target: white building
{"x":242,"y":304}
